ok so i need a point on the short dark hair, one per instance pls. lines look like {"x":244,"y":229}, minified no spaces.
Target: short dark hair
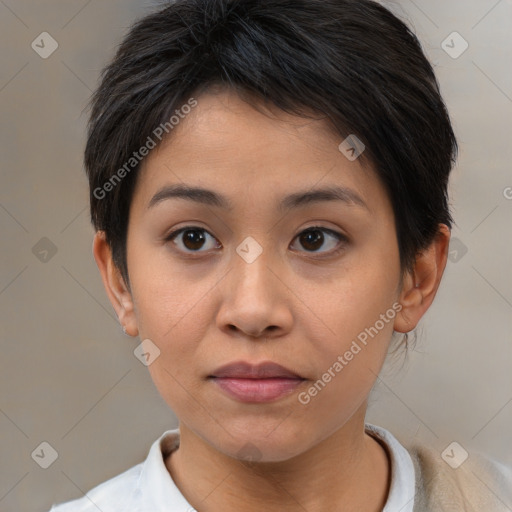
{"x":352,"y":62}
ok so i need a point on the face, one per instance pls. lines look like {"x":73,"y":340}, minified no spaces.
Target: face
{"x":262,"y":274}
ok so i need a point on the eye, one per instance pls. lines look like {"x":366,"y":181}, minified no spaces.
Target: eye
{"x":317,"y":237}
{"x":190,"y":238}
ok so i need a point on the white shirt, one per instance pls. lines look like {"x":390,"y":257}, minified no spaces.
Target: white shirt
{"x":148,"y":486}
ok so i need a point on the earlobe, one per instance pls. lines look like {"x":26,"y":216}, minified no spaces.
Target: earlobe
{"x":420,"y":286}
{"x":115,"y":286}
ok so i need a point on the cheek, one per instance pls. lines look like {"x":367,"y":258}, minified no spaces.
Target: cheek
{"x":347,"y":357}
{"x":353,"y":318}
{"x":164,"y":295}
{"x":174,"y":309}
{"x":354,"y":299}
{"x":353,"y":340}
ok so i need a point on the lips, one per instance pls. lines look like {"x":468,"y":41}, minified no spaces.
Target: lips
{"x":260,"y":383}
{"x":243,"y":370}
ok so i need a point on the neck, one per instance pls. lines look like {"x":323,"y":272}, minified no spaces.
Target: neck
{"x":347,"y":471}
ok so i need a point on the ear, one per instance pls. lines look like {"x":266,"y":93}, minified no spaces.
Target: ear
{"x":117,"y":291}
{"x":420,"y":286}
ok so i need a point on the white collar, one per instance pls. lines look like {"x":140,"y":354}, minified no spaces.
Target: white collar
{"x":157,"y":492}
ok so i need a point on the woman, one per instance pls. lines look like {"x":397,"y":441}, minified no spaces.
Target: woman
{"x":269,"y":189}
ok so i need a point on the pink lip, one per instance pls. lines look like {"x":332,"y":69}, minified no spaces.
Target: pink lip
{"x":265,"y":370}
{"x":256,"y":383}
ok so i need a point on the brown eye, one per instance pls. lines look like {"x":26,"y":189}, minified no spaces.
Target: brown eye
{"x":193,"y":239}
{"x":313,"y":239}
{"x":190,"y":239}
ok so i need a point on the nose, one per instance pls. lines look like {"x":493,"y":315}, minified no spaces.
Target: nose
{"x":255,"y":300}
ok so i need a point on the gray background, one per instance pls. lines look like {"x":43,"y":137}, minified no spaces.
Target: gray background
{"x":68,"y":376}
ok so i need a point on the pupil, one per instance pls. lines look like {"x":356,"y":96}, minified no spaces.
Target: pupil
{"x":192,"y":241}
{"x":311,"y":238}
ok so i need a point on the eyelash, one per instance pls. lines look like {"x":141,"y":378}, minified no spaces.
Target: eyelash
{"x":341,"y":238}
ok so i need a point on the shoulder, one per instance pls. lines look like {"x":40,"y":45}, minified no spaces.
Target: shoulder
{"x":140,"y":488}
{"x":109,"y":496}
{"x":476,"y":483}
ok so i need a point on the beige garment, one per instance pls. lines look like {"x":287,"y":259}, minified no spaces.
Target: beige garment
{"x":478,"y":485}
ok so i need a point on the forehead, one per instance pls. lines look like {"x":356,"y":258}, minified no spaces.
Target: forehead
{"x":222,"y":122}
{"x":226,"y":144}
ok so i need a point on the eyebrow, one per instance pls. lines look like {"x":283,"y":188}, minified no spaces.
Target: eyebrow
{"x":289,"y":202}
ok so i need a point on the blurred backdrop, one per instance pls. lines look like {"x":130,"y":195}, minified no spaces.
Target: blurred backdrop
{"x":68,"y":376}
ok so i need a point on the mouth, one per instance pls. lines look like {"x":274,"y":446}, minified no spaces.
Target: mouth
{"x":260,"y":383}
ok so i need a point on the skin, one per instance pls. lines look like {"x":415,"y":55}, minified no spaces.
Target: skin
{"x":298,"y":305}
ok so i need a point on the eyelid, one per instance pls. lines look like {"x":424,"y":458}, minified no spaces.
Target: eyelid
{"x":331,"y":231}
